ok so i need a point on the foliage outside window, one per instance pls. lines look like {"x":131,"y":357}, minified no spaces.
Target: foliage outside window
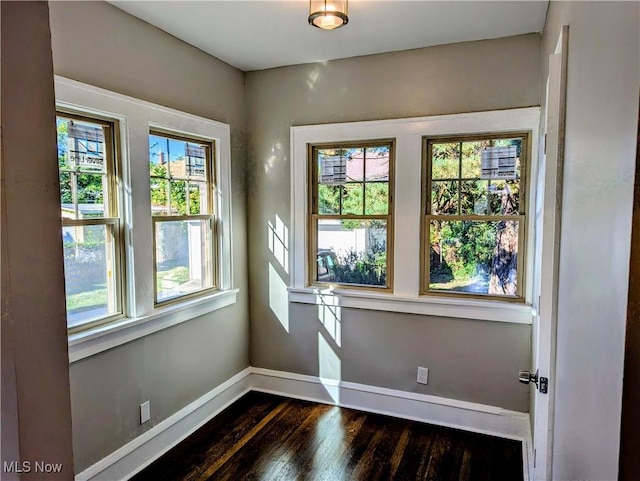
{"x":91,"y":226}
{"x":181,"y":182}
{"x":351,"y":223}
{"x":474,"y":223}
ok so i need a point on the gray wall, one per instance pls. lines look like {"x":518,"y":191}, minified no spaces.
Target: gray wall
{"x":603,"y":82}
{"x":383,"y":349}
{"x":96,"y":43}
{"x":36,"y":408}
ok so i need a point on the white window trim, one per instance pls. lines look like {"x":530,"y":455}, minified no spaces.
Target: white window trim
{"x":408,"y":164}
{"x":135,"y":119}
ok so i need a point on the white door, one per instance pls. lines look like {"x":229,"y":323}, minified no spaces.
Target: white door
{"x":548,"y":213}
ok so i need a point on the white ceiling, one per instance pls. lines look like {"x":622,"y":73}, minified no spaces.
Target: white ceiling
{"x":255,"y":35}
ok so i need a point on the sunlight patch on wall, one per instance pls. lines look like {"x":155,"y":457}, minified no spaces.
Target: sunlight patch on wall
{"x":313,"y":78}
{"x":278,"y":298}
{"x":329,"y":314}
{"x":268,"y":165}
{"x":329,"y":368}
{"x":271,"y":161}
{"x":278,"y":239}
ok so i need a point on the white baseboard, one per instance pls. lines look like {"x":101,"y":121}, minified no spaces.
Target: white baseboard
{"x":146,"y":448}
{"x":479,"y":418}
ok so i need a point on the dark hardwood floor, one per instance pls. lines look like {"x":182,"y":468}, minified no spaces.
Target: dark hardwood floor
{"x":266,"y":437}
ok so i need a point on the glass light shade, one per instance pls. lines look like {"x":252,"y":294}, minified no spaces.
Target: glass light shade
{"x":328,"y":14}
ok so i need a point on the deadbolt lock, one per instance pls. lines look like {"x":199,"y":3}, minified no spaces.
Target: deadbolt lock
{"x":525,"y":377}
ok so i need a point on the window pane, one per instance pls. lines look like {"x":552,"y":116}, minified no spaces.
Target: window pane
{"x":165,"y":151}
{"x":332,"y":166}
{"x":90,"y":195}
{"x":89,"y":271}
{"x":377,"y":165}
{"x":158,"y":171}
{"x":355,"y":164}
{"x":444,"y":197}
{"x":82,"y":163}
{"x":198,"y":198}
{"x":514,"y":198}
{"x":182,"y":257}
{"x":473,"y":197}
{"x":352,"y":199}
{"x":501,"y":160}
{"x":377,"y":198}
{"x":328,"y":199}
{"x":517,"y":142}
{"x":185,"y":159}
{"x":159,"y":197}
{"x":352,"y":251}
{"x":64,"y":161}
{"x":445,"y":161}
{"x":474,"y":256}
{"x":186,"y":165}
{"x":178,"y":201}
{"x":158,"y":155}
{"x":471,"y":159}
{"x":81,"y":145}
{"x":177,"y":158}
{"x":66,"y":196}
{"x":504,"y":197}
{"x":196,"y":157}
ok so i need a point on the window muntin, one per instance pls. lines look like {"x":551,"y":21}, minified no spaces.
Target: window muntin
{"x":351,"y":214}
{"x":474,"y":215}
{"x":183,"y":216}
{"x":91,"y":225}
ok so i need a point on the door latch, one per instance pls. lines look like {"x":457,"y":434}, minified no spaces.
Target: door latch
{"x":526,"y":377}
{"x":544,"y":385}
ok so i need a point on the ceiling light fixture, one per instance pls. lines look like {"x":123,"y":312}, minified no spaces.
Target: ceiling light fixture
{"x":328,"y":14}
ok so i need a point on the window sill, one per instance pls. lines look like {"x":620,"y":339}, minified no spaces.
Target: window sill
{"x":101,"y":338}
{"x":432,"y":306}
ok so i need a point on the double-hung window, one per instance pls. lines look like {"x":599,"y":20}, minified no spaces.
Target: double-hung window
{"x":145,"y":194}
{"x":451,"y":200}
{"x":351,"y":214}
{"x":474,"y":215}
{"x":182,"y":208}
{"x":91,"y":221}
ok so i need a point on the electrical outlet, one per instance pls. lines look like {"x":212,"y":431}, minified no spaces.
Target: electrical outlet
{"x":145,"y":412}
{"x":423,"y":375}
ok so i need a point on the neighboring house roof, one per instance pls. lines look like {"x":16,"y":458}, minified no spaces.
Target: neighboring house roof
{"x":195,"y":167}
{"x":377,"y":167}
